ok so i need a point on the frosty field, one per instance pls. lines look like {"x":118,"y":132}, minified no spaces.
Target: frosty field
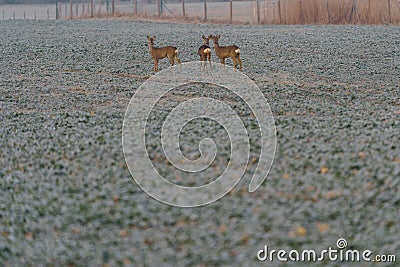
{"x":67,"y":197}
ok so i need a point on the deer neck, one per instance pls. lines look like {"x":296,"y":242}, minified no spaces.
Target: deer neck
{"x":216,"y":45}
{"x":151,"y":49}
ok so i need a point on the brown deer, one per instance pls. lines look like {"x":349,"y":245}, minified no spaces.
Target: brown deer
{"x":205,"y":50}
{"x":223,"y":52}
{"x":158,"y":53}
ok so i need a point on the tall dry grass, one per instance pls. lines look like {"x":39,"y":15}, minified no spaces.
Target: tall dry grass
{"x":336,"y":11}
{"x":271,"y":12}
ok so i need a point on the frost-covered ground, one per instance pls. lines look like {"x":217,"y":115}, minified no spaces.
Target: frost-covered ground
{"x":66,"y":195}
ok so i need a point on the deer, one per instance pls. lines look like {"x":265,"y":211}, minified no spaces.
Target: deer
{"x":205,"y":50}
{"x":223,"y":52}
{"x":158,"y":53}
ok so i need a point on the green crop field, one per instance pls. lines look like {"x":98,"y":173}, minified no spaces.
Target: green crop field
{"x":68,"y":199}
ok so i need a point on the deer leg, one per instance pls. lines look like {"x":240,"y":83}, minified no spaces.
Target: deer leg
{"x":201,"y":62}
{"x":204,"y":61}
{"x":177,"y":59}
{"x":155,"y":64}
{"x":171,"y":59}
{"x":222,"y":60}
{"x":240,"y":62}
{"x":235,"y":63}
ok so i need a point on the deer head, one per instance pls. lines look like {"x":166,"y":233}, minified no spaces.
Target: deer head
{"x":206,"y":40}
{"x":215,"y":38}
{"x":150,"y":40}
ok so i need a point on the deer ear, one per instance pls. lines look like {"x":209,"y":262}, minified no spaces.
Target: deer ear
{"x":154,"y":37}
{"x":218,"y":36}
{"x":203,"y":36}
{"x":148,"y":37}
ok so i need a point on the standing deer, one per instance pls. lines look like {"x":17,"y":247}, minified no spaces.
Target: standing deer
{"x":205,"y":50}
{"x":161,"y":52}
{"x":223,"y":52}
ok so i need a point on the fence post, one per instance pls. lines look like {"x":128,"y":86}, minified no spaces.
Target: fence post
{"x":83,"y":10}
{"x":279,"y":12}
{"x":390,"y":11}
{"x":135,"y":6}
{"x":57,"y":15}
{"x":159,"y":8}
{"x":205,"y":10}
{"x":91,"y":8}
{"x":230,"y":11}
{"x":258,"y":10}
{"x":301,"y":12}
{"x":24,"y":15}
{"x":369,"y":11}
{"x":112,"y":7}
{"x":70,"y":9}
{"x":35,"y":15}
{"x":183,"y":8}
{"x":76,"y":11}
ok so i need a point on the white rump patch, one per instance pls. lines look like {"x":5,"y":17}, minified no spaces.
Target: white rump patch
{"x":176,"y":51}
{"x":237,"y":51}
{"x":207,"y":50}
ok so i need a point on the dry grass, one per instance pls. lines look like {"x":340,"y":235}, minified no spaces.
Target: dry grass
{"x":336,"y":12}
{"x":163,"y":18}
{"x":280,"y":12}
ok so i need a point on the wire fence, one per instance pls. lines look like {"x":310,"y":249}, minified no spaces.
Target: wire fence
{"x":240,"y":11}
{"x":229,"y":11}
{"x":27,"y":12}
